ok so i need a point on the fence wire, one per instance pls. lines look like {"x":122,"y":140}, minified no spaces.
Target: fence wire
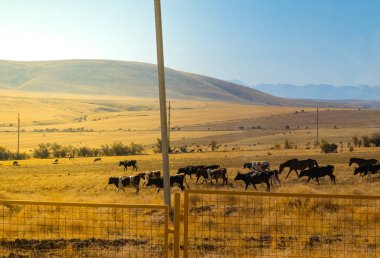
{"x":253,"y":224}
{"x":42,"y":229}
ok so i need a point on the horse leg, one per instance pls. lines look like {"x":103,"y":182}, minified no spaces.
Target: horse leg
{"x":317,"y":179}
{"x":308,"y":180}
{"x":278,"y":179}
{"x":296,"y":172}
{"x":288,"y":173}
{"x":246,"y":186}
{"x":158,"y":189}
{"x":254,"y":186}
{"x":268,"y":186}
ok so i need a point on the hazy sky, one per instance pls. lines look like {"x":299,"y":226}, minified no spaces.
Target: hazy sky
{"x":256,"y":41}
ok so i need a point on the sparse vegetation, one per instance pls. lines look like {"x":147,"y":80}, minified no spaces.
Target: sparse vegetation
{"x":214,"y":145}
{"x":7,"y":155}
{"x":288,"y":144}
{"x":46,"y":150}
{"x":328,"y":147}
{"x":157,"y":148}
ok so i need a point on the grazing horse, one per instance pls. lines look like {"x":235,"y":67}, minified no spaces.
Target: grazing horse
{"x":361,"y":162}
{"x":130,"y":163}
{"x":97,"y":159}
{"x":296,"y":164}
{"x":15,"y":163}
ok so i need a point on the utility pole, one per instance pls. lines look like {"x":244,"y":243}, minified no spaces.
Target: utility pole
{"x":317,"y":126}
{"x":162,"y":96}
{"x":18,"y":133}
{"x":169,"y":128}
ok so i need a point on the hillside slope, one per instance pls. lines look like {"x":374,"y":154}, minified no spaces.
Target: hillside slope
{"x":121,"y":78}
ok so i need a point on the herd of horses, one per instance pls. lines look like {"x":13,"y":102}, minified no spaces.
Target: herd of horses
{"x":260,"y":172}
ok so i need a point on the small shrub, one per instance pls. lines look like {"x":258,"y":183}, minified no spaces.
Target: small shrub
{"x":328,"y":147}
{"x":376,"y":139}
{"x":288,"y":144}
{"x":158,"y":146}
{"x":366,"y":141}
{"x":214,"y":145}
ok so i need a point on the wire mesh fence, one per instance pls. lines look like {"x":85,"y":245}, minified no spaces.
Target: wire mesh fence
{"x":253,"y":224}
{"x":32,"y":229}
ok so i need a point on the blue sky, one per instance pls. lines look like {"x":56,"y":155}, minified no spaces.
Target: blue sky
{"x":256,"y":41}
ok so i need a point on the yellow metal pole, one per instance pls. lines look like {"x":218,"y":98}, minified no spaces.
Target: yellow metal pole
{"x":177,"y":223}
{"x":162,"y":95}
{"x":186,"y":225}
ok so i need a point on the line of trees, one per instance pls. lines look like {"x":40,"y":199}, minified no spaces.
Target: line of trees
{"x":366,"y":141}
{"x":46,"y":150}
{"x":7,"y":155}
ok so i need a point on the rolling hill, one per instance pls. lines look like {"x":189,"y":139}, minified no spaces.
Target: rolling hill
{"x":121,"y":78}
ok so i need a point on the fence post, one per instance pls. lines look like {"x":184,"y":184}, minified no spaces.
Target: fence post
{"x":186,"y":225}
{"x":177,"y":223}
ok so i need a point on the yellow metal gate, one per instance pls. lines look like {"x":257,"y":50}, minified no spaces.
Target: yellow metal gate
{"x":52,"y":229}
{"x":256,"y":224}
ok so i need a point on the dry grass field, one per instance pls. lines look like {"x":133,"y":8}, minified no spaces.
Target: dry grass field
{"x":109,"y":119}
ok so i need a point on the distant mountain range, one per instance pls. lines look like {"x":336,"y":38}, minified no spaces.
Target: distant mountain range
{"x":319,"y":91}
{"x":121,"y":78}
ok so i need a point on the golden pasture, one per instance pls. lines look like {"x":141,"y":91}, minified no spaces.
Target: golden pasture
{"x":137,"y":120}
{"x":108,"y":119}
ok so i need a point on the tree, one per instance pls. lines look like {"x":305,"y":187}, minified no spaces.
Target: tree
{"x":158,"y":146}
{"x":136,"y":148}
{"x":376,"y":139}
{"x":366,"y":141}
{"x":42,"y":151}
{"x":119,"y":149}
{"x":288,"y":144}
{"x":214,"y":145}
{"x":328,"y":147}
{"x":355,"y":141}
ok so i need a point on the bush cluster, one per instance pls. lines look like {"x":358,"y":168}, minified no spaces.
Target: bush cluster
{"x":328,"y":147}
{"x":45,"y":150}
{"x":366,"y":141}
{"x":7,"y":155}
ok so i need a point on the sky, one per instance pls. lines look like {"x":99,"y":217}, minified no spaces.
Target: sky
{"x":255,"y":41}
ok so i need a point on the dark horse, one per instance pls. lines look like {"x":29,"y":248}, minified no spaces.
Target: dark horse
{"x":361,"y":162}
{"x":296,"y":164}
{"x":130,"y":163}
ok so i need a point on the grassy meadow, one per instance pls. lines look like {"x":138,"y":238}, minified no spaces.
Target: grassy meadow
{"x":243,"y":133}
